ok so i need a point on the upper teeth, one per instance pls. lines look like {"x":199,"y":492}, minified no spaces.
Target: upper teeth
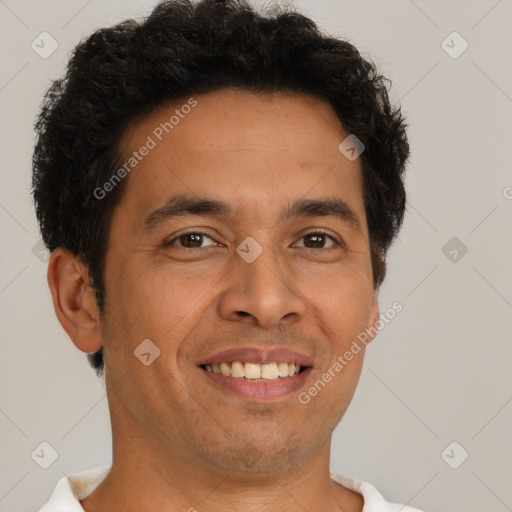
{"x":267,"y":371}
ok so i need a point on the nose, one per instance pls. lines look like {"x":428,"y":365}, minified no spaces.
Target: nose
{"x":261,"y":293}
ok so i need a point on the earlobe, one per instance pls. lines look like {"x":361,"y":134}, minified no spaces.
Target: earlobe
{"x":73,"y":300}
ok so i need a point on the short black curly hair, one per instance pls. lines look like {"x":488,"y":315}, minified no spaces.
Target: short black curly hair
{"x":120,"y":74}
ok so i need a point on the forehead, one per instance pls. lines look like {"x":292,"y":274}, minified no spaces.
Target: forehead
{"x":249,"y":119}
{"x":234,"y":142}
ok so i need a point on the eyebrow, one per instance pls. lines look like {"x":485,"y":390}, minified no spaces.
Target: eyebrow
{"x":181,"y":205}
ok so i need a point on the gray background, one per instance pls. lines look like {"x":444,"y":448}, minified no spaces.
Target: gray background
{"x":438,"y":373}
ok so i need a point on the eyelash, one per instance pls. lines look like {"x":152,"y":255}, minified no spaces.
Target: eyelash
{"x":315,"y":232}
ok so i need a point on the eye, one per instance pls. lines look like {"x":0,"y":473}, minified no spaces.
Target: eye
{"x":317,"y":239}
{"x":191,"y":240}
{"x":194,"y":239}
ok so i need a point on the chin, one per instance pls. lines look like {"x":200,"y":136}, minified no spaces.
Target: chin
{"x":251,"y":456}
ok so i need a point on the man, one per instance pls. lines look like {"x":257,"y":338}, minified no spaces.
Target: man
{"x":218,"y":190}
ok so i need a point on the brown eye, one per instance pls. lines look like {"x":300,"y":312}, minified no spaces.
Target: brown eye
{"x":317,"y":240}
{"x":192,"y":240}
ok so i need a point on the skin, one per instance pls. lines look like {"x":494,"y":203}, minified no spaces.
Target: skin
{"x":178,"y":441}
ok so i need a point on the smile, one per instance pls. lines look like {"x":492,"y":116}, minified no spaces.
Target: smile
{"x":256,"y":389}
{"x":254,"y":371}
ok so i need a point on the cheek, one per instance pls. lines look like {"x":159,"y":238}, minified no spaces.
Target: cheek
{"x":161,"y":304}
{"x":343,"y":304}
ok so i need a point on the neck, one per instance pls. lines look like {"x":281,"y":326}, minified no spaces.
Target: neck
{"x":153,"y":470}
{"x":149,"y":476}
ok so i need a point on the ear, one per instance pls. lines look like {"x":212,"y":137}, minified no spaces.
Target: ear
{"x":73,"y":299}
{"x":374,"y":316}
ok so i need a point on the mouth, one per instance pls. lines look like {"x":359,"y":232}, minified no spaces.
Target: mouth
{"x":255,"y":374}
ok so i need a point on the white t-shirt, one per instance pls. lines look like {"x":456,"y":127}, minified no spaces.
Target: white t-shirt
{"x":69,"y":491}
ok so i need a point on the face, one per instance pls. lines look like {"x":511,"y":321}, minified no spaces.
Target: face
{"x":255,"y":276}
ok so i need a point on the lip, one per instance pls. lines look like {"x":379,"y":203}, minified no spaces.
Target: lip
{"x":259,"y":356}
{"x":258,"y":391}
